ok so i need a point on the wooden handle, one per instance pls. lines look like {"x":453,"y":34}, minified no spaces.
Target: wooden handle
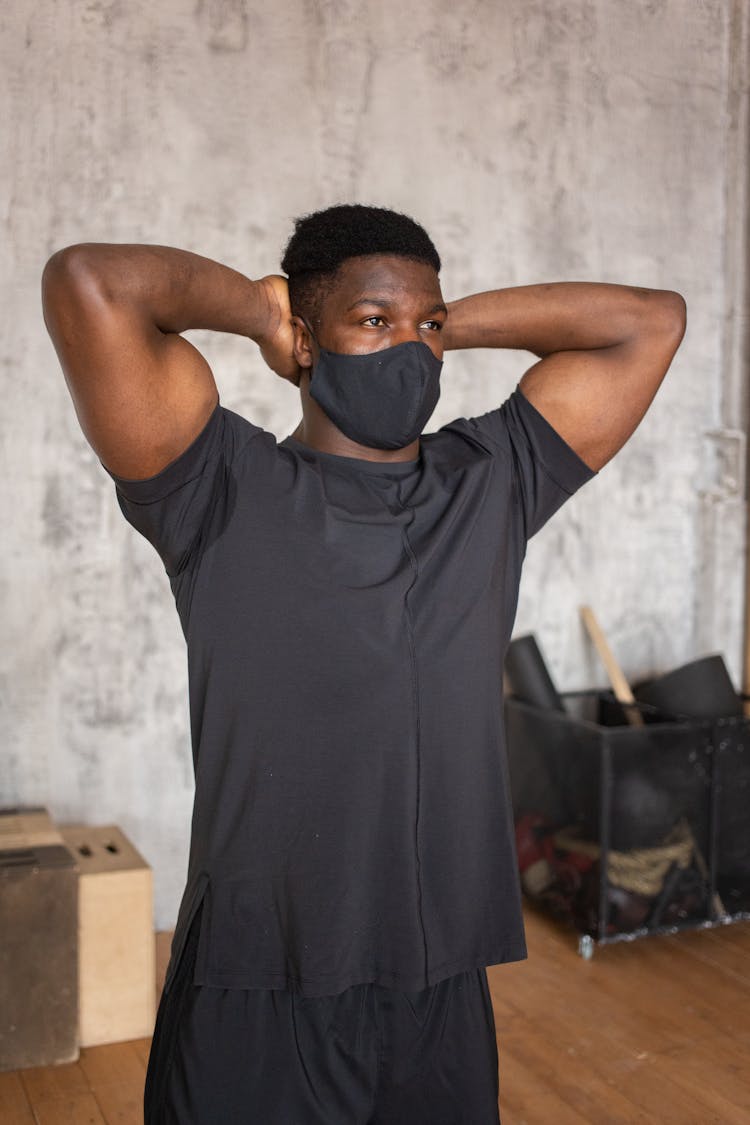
{"x":620,"y":685}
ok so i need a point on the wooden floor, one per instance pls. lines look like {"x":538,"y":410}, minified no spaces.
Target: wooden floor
{"x":653,"y":1031}
{"x":656,"y":1030}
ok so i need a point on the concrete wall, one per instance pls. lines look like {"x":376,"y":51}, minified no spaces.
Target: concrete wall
{"x":536,"y":140}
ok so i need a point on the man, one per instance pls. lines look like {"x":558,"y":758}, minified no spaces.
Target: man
{"x":347,"y":596}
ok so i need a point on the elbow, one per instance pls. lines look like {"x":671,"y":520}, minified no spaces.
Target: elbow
{"x":659,"y":319}
{"x":70,"y":277}
{"x":670,"y":316}
{"x":676,"y":312}
{"x":69,"y":266}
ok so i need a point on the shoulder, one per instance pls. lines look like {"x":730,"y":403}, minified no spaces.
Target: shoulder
{"x":517,"y":429}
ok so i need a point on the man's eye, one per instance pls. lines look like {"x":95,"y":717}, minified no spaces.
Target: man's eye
{"x":374,"y":321}
{"x":433,"y":325}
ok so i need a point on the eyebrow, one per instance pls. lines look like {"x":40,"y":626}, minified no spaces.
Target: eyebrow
{"x":380,"y":303}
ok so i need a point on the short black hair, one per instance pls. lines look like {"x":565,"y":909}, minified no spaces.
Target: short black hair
{"x":324,"y":240}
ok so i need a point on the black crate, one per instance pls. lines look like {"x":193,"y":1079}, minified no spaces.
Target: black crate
{"x":628,"y":830}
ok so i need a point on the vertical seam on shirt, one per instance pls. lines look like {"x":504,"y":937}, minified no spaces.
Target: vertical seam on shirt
{"x":415,"y":696}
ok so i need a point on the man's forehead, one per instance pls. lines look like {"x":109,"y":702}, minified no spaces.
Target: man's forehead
{"x":384,"y":274}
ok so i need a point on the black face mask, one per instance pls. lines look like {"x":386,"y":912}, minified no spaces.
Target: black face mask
{"x":379,"y":399}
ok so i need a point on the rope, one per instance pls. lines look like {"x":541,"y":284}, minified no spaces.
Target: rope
{"x":643,"y":870}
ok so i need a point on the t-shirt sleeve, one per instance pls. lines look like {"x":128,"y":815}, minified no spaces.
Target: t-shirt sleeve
{"x":545,"y":471}
{"x":173,"y":508}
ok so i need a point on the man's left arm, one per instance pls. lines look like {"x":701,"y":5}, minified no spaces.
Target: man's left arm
{"x":603,"y":352}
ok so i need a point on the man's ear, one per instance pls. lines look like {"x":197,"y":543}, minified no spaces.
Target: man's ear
{"x":303,"y":343}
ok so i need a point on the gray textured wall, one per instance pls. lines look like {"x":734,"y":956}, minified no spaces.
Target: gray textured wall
{"x":536,"y":139}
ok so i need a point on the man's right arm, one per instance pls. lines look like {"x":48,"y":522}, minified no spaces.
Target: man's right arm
{"x":142,"y":393}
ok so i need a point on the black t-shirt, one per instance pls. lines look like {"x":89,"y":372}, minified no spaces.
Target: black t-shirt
{"x":346,"y":624}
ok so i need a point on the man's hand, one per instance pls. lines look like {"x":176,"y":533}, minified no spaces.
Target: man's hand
{"x":604,"y":350}
{"x":277,"y":339}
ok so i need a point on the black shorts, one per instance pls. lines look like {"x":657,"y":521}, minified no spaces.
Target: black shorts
{"x":367,"y":1056}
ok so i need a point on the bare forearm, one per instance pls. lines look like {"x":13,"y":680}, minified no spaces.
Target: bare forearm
{"x":173,"y":289}
{"x":561,"y":316}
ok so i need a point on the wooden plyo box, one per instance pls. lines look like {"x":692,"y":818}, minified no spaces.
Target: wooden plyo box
{"x":116,"y":952}
{"x":38,"y":956}
{"x":27,"y":828}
